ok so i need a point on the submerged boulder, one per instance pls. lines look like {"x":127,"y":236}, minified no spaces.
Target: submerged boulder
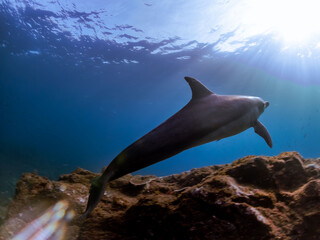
{"x":255,"y":197}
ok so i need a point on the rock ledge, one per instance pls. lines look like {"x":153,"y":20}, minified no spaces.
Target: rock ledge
{"x":255,"y":197}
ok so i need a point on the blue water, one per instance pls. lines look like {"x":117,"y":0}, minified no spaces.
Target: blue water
{"x":81,"y":81}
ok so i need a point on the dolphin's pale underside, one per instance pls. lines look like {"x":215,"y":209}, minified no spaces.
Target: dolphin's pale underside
{"x":207,"y":117}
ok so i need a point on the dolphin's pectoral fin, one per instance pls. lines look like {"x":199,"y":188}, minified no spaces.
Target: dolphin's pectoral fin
{"x":263,"y":132}
{"x":197,"y":88}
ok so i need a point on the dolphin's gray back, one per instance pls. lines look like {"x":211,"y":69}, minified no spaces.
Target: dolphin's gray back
{"x":184,"y":130}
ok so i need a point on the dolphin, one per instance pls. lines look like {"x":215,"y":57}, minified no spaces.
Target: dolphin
{"x":206,"y":117}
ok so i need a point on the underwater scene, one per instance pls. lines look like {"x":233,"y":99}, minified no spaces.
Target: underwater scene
{"x":159,"y":119}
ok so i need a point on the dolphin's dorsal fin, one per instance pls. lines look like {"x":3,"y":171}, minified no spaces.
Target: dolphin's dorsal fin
{"x":197,"y":88}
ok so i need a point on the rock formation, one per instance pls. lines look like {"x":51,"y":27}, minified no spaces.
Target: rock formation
{"x":255,"y":197}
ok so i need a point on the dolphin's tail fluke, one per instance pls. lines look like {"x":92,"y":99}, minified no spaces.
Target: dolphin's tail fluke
{"x":97,"y":189}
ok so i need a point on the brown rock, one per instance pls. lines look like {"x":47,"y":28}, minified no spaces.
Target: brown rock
{"x":255,"y":197}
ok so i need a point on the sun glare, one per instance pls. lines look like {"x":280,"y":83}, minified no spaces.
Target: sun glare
{"x":51,"y":225}
{"x":294,"y":21}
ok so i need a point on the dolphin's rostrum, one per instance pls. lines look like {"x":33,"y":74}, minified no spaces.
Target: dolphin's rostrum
{"x":207,"y":117}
